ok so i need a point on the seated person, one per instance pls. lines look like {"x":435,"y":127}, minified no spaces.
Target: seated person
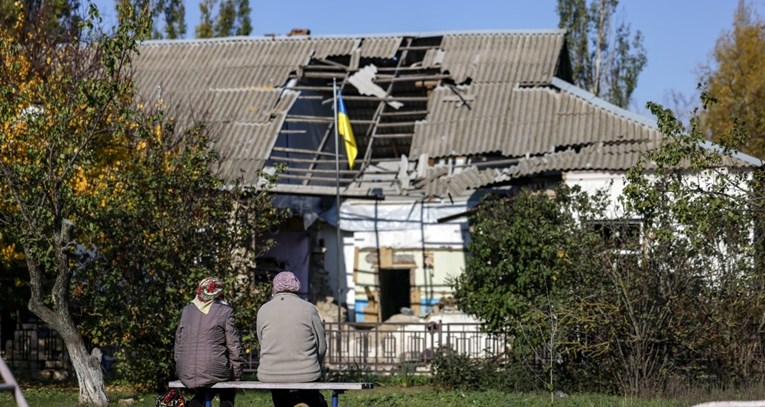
{"x":208,"y":348}
{"x":292,"y":343}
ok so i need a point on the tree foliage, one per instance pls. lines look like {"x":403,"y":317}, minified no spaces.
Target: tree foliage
{"x":174,"y":223}
{"x":60,"y":18}
{"x":709,"y":230}
{"x":60,"y":105}
{"x":114,"y":206}
{"x":679,"y":299}
{"x":511,"y":271}
{"x":606,"y":59}
{"x":174,"y":13}
{"x":232,"y":18}
{"x":167,"y":17}
{"x":737,"y":81}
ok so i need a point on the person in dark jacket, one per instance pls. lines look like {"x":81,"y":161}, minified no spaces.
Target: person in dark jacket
{"x":292,"y":343}
{"x":208,"y":348}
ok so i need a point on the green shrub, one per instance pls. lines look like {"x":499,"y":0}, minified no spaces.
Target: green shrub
{"x":454,"y":371}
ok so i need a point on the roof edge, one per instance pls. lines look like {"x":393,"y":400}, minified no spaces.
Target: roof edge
{"x":602,"y":103}
{"x":749,"y":159}
{"x":284,"y":37}
{"x":707,"y":145}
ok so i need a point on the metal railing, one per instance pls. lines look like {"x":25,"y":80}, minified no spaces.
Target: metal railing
{"x":37,"y":350}
{"x":379,"y":347}
{"x":389,"y":347}
{"x":9,"y":384}
{"x":385,"y":347}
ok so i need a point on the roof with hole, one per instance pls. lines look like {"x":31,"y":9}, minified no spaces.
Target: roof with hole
{"x":432,"y":114}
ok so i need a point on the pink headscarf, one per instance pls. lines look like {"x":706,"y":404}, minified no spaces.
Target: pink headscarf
{"x":285,"y":282}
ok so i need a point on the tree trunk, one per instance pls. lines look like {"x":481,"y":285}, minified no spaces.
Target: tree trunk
{"x":88,"y":368}
{"x":90,"y":378}
{"x":600,"y":40}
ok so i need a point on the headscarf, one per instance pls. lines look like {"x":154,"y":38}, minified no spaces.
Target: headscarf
{"x":209,"y":289}
{"x":285,"y":282}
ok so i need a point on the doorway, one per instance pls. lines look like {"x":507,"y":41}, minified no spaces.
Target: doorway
{"x":395,"y":291}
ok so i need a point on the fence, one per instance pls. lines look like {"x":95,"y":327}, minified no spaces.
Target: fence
{"x":37,"y":350}
{"x":387,"y":347}
{"x":381,"y":347}
{"x":390,"y":346}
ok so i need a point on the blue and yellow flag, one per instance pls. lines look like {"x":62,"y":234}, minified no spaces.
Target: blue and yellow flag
{"x":345,"y":130}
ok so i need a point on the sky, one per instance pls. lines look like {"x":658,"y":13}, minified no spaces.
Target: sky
{"x":679,"y":35}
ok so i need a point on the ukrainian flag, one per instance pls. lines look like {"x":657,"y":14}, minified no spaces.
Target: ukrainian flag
{"x":345,"y":130}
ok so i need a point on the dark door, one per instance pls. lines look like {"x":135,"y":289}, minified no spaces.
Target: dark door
{"x":394,"y":291}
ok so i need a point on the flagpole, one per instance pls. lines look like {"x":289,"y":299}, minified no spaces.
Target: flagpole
{"x":337,"y":206}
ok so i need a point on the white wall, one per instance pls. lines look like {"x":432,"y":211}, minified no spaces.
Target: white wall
{"x":592,"y":182}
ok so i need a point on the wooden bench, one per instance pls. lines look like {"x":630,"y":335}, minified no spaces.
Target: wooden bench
{"x":337,"y":388}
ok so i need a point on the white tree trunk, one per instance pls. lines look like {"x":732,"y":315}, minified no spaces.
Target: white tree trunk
{"x":89,"y":375}
{"x":88,"y":368}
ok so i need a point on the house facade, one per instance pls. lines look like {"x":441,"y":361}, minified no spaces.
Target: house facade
{"x":440,"y":119}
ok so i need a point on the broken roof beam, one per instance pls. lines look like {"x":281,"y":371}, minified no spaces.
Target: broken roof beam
{"x":398,"y":135}
{"x":311,"y":97}
{"x":321,"y":75}
{"x":395,"y":124}
{"x":332,"y":171}
{"x":383,"y":101}
{"x":410,"y":78}
{"x":318,"y":190}
{"x":323,"y":143}
{"x":403,"y":68}
{"x":313,"y":88}
{"x":302,"y":160}
{"x":405,"y":113}
{"x":312,"y":177}
{"x":302,"y":151}
{"x":337,"y":67}
{"x":294,"y":118}
{"x":392,"y":98}
{"x":330,"y":62}
{"x":420,"y":47}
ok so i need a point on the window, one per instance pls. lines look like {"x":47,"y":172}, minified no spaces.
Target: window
{"x":621,"y":235}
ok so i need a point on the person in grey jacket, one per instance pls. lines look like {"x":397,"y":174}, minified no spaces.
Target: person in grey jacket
{"x":292,"y":343}
{"x":208,"y":348}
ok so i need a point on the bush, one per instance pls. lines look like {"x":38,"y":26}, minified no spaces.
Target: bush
{"x":453,"y":371}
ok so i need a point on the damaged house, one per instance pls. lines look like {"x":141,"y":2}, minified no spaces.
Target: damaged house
{"x":439,"y":119}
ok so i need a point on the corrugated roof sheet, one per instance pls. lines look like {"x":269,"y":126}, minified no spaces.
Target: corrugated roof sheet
{"x":384,"y":47}
{"x":507,"y":103}
{"x":502,"y":58}
{"x":242,"y":148}
{"x":325,"y":47}
{"x":595,"y":157}
{"x":517,"y":121}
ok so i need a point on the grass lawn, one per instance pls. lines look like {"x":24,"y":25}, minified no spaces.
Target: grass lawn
{"x":388,"y":396}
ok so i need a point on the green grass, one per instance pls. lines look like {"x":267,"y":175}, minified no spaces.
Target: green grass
{"x":420,"y":396}
{"x":412,"y":392}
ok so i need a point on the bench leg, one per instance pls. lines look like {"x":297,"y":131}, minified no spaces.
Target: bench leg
{"x":336,"y":397}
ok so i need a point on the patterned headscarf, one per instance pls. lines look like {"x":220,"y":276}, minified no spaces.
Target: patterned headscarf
{"x":209,"y":289}
{"x":285,"y":282}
